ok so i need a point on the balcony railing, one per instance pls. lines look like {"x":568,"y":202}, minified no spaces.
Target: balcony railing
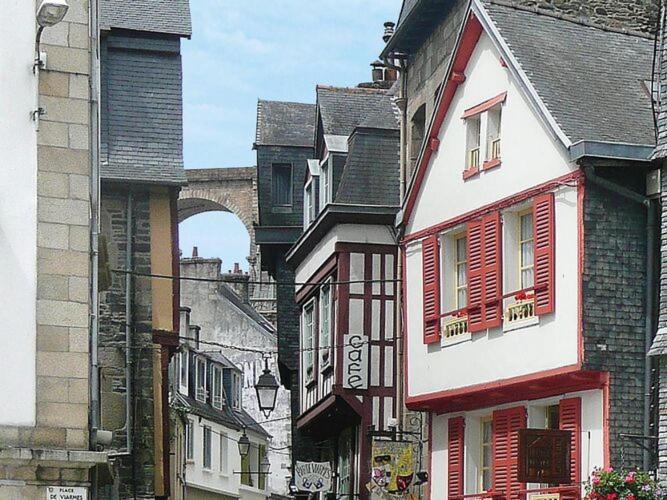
{"x":520,"y":310}
{"x":551,"y":493}
{"x":495,"y":149}
{"x":455,"y":327}
{"x":473,"y":158}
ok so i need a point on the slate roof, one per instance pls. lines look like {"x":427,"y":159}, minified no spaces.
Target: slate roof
{"x":285,"y":124}
{"x":235,"y":419}
{"x":170,"y":17}
{"x":342,"y":109}
{"x":588,"y":77}
{"x":371,"y":172}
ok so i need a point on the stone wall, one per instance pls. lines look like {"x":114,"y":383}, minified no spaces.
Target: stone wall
{"x":226,"y":318}
{"x":613,"y":291}
{"x":136,"y":471}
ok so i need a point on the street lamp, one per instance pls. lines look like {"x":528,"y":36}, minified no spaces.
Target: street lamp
{"x":265,"y":465}
{"x":244,"y":445}
{"x":267,"y":390}
{"x":51,"y":12}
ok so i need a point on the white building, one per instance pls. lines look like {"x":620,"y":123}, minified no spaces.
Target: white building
{"x":209,"y":418}
{"x":512,"y":317}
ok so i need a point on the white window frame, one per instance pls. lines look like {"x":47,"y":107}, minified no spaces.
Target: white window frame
{"x":216,"y":389}
{"x":223,"y":458}
{"x":326,"y":321}
{"x":200,"y":386}
{"x":308,"y":203}
{"x":189,"y":441}
{"x":308,"y":348}
{"x":526,"y":241}
{"x":183,"y":362}
{"x":493,"y":132}
{"x":458,"y":264}
{"x":206,"y":447}
{"x":236,"y":390}
{"x":473,"y":141}
{"x":326,"y":181}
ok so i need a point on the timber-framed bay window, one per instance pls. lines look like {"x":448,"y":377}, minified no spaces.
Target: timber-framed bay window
{"x":325,"y":324}
{"x":497,"y":270}
{"x":308,"y":342}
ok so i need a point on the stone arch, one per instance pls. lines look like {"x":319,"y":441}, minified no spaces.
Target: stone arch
{"x":227,"y":190}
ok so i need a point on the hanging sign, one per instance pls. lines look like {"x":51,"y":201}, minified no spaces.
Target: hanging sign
{"x":312,"y":476}
{"x":544,"y":456}
{"x":392,"y":466}
{"x":355,"y":361}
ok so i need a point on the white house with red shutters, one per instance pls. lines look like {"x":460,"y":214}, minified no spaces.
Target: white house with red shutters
{"x":516,"y":246}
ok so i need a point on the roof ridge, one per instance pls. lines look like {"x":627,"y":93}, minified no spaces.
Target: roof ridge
{"x":361,"y":90}
{"x":566,"y":17}
{"x":285,"y":102}
{"x":258,"y":133}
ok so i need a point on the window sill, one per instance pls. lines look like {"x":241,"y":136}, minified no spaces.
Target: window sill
{"x":327,"y":369}
{"x":189,"y":460}
{"x":470,"y":172}
{"x":522,"y":323}
{"x":310,"y":383}
{"x":490,"y":164}
{"x":207,"y":470}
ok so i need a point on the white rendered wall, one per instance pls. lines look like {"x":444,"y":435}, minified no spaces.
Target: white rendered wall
{"x":213,"y":479}
{"x":592,"y":438}
{"x":341,"y":233}
{"x":530,"y":156}
{"x":18,"y":219}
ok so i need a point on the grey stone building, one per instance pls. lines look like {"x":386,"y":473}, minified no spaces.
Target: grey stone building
{"x":284,"y":142}
{"x":142,"y":172}
{"x":223,"y":313}
{"x":421,"y":46}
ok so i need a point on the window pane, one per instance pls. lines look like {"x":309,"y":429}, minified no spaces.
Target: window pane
{"x":282,"y":184}
{"x":526,"y":227}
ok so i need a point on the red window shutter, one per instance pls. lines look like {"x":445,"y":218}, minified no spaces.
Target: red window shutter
{"x":569,"y":419}
{"x":544,"y":242}
{"x":475,"y":284}
{"x":431,"y":283}
{"x":455,"y":457}
{"x":506,"y":425}
{"x":492,"y":279}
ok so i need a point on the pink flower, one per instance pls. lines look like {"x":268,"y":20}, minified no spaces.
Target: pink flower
{"x":612,"y":496}
{"x":630,"y":497}
{"x":630,"y":478}
{"x":609,"y":469}
{"x":595,"y":480}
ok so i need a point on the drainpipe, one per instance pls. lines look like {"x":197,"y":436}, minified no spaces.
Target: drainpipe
{"x":398,"y":321}
{"x":94,"y":88}
{"x":128,"y":323}
{"x":649,"y":292}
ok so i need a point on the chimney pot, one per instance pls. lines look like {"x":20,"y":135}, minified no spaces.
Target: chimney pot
{"x":388,"y":31}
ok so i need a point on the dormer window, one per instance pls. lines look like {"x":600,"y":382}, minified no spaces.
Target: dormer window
{"x":184,"y":369}
{"x":308,"y":203}
{"x":216,"y":400}
{"x":326,"y":181}
{"x":236,"y":390}
{"x":200,"y":379}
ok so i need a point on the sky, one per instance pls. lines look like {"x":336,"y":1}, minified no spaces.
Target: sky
{"x":243,"y":50}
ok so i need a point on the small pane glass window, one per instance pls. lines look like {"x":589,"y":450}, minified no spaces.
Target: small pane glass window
{"x":461,"y":273}
{"x":217,"y":387}
{"x":308,"y":343}
{"x":207,"y":447}
{"x":526,"y":250}
{"x":201,"y":379}
{"x":282,"y":184}
{"x":325,"y":324}
{"x":486,"y":469}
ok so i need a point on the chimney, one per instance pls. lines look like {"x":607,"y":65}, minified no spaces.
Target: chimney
{"x":239,"y":281}
{"x":195,"y":252}
{"x":377,"y":71}
{"x":388,"y":31}
{"x":237,"y":268}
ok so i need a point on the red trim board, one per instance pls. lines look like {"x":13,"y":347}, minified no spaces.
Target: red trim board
{"x":484,"y":106}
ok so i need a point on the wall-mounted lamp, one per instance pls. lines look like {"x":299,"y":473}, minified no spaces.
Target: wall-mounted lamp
{"x":49,"y":13}
{"x":267,"y":389}
{"x":244,"y":445}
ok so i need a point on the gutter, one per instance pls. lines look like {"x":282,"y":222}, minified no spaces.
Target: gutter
{"x":610,"y":150}
{"x":649,"y":293}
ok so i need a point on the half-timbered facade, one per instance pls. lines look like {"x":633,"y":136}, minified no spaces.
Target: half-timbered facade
{"x":524,"y":248}
{"x":345,"y":268}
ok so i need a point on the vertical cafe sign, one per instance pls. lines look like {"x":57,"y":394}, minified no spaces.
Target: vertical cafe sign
{"x":355,"y":361}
